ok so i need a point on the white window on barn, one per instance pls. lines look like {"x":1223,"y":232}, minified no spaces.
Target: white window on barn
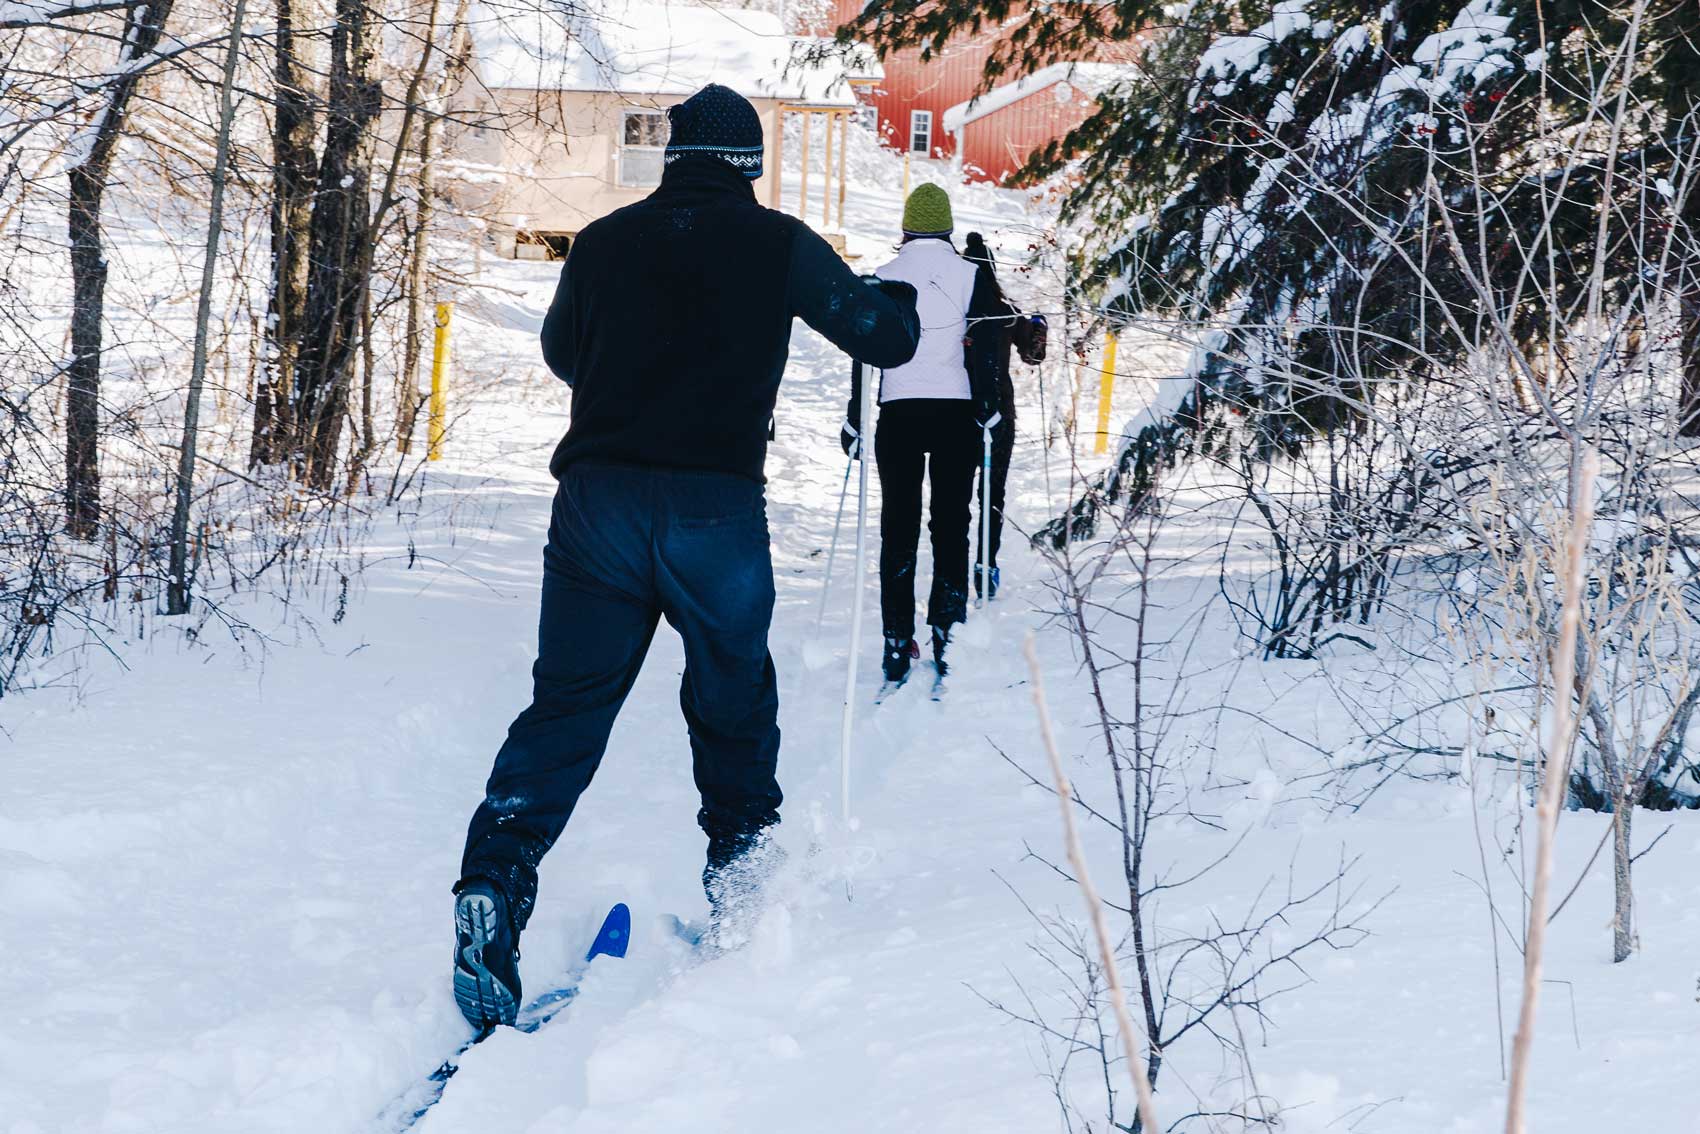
{"x":643,"y":141}
{"x":920,"y":131}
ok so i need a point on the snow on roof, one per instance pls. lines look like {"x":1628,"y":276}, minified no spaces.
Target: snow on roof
{"x":653,"y":48}
{"x":1090,"y":76}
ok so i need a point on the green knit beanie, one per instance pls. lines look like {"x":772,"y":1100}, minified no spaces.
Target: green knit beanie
{"x":927,"y":212}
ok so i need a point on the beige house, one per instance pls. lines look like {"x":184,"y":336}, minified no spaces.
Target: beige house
{"x":565,"y":118}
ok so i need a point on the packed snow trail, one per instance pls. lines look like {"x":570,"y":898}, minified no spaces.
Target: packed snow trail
{"x":228,"y":867}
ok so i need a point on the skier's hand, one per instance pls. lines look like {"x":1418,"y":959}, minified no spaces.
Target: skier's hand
{"x":1030,"y":342}
{"x":850,"y":440}
{"x":990,"y":419}
{"x":893,"y":289}
{"x":900,"y":292}
{"x":904,"y":297}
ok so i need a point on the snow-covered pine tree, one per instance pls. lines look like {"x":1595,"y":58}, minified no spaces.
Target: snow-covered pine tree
{"x":1270,"y":181}
{"x":1283,"y":175}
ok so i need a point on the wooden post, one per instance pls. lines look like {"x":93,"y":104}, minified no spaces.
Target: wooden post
{"x":843,"y":148}
{"x":803,"y":188}
{"x":439,"y":382}
{"x":773,"y":199}
{"x":1106,"y":384}
{"x":826,"y":179}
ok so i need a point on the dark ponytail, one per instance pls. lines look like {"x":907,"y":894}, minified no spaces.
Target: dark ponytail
{"x":974,"y":250}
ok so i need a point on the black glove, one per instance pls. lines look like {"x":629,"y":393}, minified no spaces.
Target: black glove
{"x":898,"y":291}
{"x":905,"y":296}
{"x":895,"y":290}
{"x":850,"y":439}
{"x":988,"y":417}
{"x":1030,"y":340}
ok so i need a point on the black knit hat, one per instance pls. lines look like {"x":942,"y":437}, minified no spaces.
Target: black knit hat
{"x":716,"y":122}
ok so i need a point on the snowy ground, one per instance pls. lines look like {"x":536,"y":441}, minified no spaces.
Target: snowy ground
{"x":227,"y":869}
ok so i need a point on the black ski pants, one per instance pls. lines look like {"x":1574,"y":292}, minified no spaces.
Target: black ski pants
{"x":937,"y":440}
{"x":627,"y":547}
{"x":1003,"y":447}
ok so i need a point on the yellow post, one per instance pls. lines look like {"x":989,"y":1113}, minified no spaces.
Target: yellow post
{"x":1106,"y":384}
{"x":439,"y":382}
{"x":905,"y":175}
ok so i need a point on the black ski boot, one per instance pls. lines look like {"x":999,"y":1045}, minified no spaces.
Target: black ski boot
{"x":738,"y":869}
{"x":941,"y":639}
{"x":899,"y":652}
{"x":980,"y":578}
{"x":486,"y":955}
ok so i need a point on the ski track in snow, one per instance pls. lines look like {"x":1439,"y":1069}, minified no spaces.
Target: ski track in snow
{"x":228,"y":872}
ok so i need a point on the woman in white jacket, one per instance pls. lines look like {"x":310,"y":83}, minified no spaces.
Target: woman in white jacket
{"x":931,"y":415}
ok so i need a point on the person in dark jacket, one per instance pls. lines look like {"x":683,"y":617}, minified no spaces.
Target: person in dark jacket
{"x":991,"y":338}
{"x":671,"y":323}
{"x":932,"y":409}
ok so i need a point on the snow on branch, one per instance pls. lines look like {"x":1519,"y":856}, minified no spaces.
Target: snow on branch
{"x":23,"y":14}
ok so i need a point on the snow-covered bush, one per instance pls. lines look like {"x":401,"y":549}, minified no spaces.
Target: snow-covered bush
{"x":313,"y":325}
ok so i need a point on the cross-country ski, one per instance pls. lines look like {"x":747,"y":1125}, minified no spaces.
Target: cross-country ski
{"x":612,"y":940}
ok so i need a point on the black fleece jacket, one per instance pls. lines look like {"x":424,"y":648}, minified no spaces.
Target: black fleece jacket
{"x":672,"y":321}
{"x":999,"y":326}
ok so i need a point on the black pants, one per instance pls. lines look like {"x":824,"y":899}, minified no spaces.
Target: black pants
{"x":911,"y":431}
{"x":628,"y":546}
{"x":1003,"y":447}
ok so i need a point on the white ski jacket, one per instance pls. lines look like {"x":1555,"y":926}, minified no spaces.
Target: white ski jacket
{"x":944,"y":288}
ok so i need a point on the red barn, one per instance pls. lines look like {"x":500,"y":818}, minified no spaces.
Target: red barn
{"x":928,"y":108}
{"x":992,"y":136}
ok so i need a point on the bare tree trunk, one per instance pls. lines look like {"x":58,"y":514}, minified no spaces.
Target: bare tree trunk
{"x":1555,"y":776}
{"x":1689,"y":283}
{"x":407,"y":387}
{"x":339,"y":267}
{"x":368,"y":440}
{"x":177,"y":586}
{"x":144,"y":23}
{"x":293,"y":171}
{"x":1623,"y":890}
{"x":1680,"y":61}
{"x":387,"y":200}
{"x":408,"y":399}
{"x":82,"y":379}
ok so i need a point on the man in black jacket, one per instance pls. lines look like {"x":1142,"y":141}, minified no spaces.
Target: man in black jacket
{"x":671,"y":323}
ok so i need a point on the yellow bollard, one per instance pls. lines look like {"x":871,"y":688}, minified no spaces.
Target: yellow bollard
{"x":439,"y":382}
{"x":905,"y":176}
{"x":1106,"y":385}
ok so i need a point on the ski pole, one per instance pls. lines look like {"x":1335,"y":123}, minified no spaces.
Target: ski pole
{"x":837,"y":524}
{"x":985,"y":594}
{"x":848,"y":722}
